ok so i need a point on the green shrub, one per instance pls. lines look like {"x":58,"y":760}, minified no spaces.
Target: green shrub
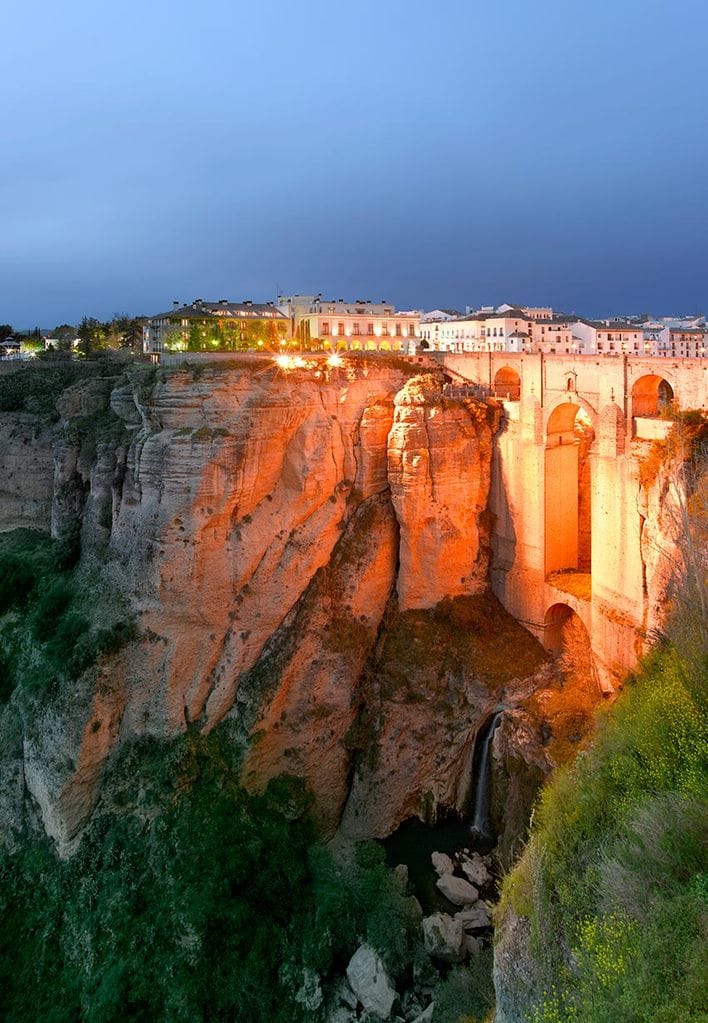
{"x":614,"y":878}
{"x":467,"y":993}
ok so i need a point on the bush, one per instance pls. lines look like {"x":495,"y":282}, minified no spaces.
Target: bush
{"x":613,"y":881}
{"x":467,"y":993}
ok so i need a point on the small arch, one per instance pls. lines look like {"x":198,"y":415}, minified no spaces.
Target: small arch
{"x":651,"y":396}
{"x":555,"y":618}
{"x":507,"y":384}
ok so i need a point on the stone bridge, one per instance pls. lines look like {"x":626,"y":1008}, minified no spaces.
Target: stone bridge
{"x":566,"y":491}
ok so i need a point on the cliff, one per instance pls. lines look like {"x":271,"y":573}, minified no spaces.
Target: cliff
{"x":265,"y":531}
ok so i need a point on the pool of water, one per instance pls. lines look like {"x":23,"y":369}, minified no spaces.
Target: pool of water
{"x":413,"y":844}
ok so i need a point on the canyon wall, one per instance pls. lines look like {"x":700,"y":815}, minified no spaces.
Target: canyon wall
{"x":260,"y":528}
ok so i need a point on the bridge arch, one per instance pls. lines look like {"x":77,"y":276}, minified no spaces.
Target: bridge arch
{"x":507,"y":384}
{"x":556,"y":618}
{"x":651,"y":395}
{"x":568,"y":489}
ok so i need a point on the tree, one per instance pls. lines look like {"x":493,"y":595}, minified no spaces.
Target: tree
{"x":6,"y":331}
{"x":65,"y":336}
{"x":91,"y":334}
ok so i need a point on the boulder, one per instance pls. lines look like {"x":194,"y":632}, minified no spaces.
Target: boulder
{"x":427,"y":1014}
{"x":444,"y":938}
{"x":457,"y":890}
{"x":400,"y":876}
{"x":472,"y":945}
{"x":309,"y":994}
{"x":475,"y":869}
{"x":475,"y":916}
{"x":370,"y":982}
{"x":442,"y":864}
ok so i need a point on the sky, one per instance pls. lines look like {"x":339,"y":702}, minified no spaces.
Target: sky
{"x":429,"y":154}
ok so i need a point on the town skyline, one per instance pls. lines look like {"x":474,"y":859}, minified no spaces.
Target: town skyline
{"x":113,"y":311}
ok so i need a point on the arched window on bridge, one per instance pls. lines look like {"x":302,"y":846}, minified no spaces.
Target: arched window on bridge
{"x":568,"y":491}
{"x":651,"y":396}
{"x":507,"y":384}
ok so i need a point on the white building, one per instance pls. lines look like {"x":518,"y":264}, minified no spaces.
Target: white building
{"x":335,"y":323}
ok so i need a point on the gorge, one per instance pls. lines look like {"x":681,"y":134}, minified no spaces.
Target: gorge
{"x":338,"y":572}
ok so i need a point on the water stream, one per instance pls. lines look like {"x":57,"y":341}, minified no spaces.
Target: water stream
{"x":480,"y":824}
{"x":413,"y":842}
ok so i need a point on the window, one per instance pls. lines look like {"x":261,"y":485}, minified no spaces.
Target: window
{"x":340,"y":329}
{"x":355,"y":329}
{"x":398,"y":330}
{"x":369,"y":328}
{"x":411,"y":330}
{"x":325,"y":327}
{"x":384,"y":330}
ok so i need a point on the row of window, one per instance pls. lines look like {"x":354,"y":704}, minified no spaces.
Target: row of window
{"x":356,"y":331}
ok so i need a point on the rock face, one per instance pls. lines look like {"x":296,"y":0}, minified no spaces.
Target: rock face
{"x":439,"y":457}
{"x":263,"y":528}
{"x":26,"y":479}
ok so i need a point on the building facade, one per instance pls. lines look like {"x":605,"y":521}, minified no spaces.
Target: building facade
{"x":336,"y":324}
{"x":209,"y":326}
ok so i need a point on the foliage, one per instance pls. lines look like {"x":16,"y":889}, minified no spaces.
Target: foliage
{"x":214,"y":334}
{"x":613,"y":881}
{"x":188,"y":899}
{"x":35,"y":388}
{"x":467,"y":993}
{"x":49,"y":630}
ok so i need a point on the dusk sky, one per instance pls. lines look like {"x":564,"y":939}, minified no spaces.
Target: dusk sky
{"x":431,"y":154}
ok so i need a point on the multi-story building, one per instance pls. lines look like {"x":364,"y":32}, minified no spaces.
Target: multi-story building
{"x":505,"y":329}
{"x":686,"y":343}
{"x":333,"y":323}
{"x":453,"y":334}
{"x":215,"y":325}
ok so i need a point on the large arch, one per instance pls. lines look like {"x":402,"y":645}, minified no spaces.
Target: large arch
{"x":651,"y":395}
{"x":507,"y":384}
{"x":568,"y":490}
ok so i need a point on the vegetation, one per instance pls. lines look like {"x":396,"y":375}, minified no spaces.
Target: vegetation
{"x":49,"y":632}
{"x":614,"y":878}
{"x":190,"y":899}
{"x":35,"y":388}
{"x":212,"y":334}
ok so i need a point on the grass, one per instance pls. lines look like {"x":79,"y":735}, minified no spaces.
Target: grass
{"x":614,"y":878}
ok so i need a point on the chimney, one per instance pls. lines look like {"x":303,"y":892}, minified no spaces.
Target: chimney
{"x":223,"y":301}
{"x":175,"y":303}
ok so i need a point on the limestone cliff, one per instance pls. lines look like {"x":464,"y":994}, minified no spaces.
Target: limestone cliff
{"x":259,"y":524}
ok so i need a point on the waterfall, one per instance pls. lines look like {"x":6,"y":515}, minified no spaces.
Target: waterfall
{"x":480,"y":825}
